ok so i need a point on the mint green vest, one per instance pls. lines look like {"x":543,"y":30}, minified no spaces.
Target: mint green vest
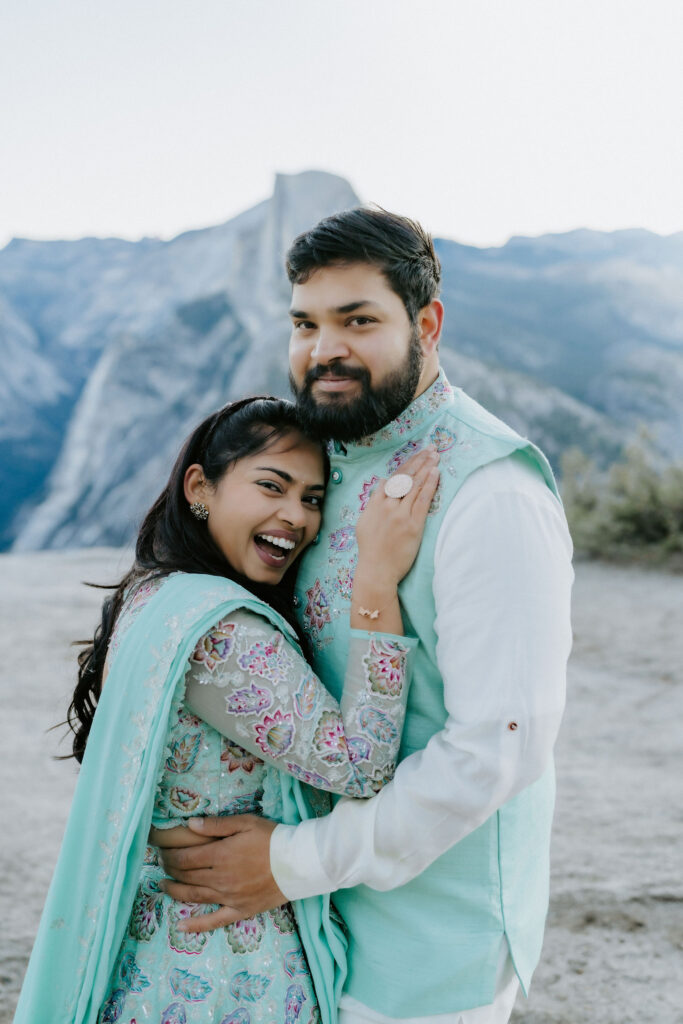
{"x":430,"y":946}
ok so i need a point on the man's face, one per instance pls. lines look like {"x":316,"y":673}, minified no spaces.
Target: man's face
{"x":355,"y":358}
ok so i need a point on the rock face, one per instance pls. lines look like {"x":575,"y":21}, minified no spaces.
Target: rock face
{"x":111,"y":351}
{"x":131,"y":344}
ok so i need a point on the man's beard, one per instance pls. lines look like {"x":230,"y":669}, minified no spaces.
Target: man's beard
{"x":351,"y":419}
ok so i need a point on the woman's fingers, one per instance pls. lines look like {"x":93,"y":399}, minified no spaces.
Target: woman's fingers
{"x":425,"y":491}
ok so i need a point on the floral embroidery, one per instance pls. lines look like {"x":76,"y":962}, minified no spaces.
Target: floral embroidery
{"x":191,"y":987}
{"x":402,"y":455}
{"x":239,"y":1016}
{"x":307,"y":697}
{"x":343,"y":539}
{"x":131,"y":975}
{"x":295,"y":962}
{"x":294,"y":1001}
{"x":317,"y":613}
{"x":244,"y":804}
{"x":343,"y":583}
{"x":236,"y":759}
{"x":249,"y":986}
{"x":283,"y":919}
{"x":113,"y":1008}
{"x":377,"y":725}
{"x":442,"y":439}
{"x":216,"y":645}
{"x":329,"y":738}
{"x":249,"y":702}
{"x":311,"y":778}
{"x":186,"y":800}
{"x":403,"y":423}
{"x":385,"y":667}
{"x":359,"y":749}
{"x":268,"y":659}
{"x":275,"y":733}
{"x":143,"y":594}
{"x":245,"y":936}
{"x":187,"y":720}
{"x":174,"y":1014}
{"x":357,"y":786}
{"x":191,"y":943}
{"x":184,"y":752}
{"x":366,"y":490}
{"x":147,"y":911}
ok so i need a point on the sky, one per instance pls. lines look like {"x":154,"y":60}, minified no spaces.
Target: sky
{"x":481,"y":118}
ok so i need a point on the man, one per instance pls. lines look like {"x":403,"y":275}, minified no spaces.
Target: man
{"x":442,"y":878}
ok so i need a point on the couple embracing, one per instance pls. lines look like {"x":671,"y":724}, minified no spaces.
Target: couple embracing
{"x":321,"y":788}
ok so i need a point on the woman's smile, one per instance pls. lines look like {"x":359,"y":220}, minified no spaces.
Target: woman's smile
{"x":267,"y":507}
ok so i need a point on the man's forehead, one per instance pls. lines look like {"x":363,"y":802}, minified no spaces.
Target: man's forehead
{"x":338,"y":288}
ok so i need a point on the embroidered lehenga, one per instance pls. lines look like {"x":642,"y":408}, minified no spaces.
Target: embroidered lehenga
{"x":247,"y":728}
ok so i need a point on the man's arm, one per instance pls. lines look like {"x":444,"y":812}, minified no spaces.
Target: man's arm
{"x":502,"y":586}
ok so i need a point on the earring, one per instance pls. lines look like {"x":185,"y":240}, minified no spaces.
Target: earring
{"x":199,"y":510}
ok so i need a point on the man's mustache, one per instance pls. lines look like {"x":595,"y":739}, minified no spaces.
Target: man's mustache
{"x":336,"y":370}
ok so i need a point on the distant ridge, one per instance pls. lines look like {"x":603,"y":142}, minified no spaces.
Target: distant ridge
{"x":111,"y":350}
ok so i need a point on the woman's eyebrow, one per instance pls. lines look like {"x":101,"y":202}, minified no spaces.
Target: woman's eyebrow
{"x":290,"y":479}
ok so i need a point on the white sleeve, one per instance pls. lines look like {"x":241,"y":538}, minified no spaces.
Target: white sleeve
{"x":502,"y":585}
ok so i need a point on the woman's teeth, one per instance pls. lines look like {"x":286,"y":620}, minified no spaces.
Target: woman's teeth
{"x":279,"y":542}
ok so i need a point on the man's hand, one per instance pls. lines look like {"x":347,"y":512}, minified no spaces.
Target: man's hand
{"x":233,"y":870}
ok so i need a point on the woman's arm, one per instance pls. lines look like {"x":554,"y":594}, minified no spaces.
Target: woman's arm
{"x":252,"y":686}
{"x":248,"y":682}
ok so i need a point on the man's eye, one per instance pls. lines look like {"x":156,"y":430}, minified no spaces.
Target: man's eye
{"x":304,"y":325}
{"x":361,"y":321}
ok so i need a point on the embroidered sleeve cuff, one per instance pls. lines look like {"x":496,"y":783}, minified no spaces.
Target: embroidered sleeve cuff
{"x":295,"y":864}
{"x":409,"y":642}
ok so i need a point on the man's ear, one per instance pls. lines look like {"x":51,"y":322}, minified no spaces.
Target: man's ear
{"x":429,"y":323}
{"x":194,"y":486}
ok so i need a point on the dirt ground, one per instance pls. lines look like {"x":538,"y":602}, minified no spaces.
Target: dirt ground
{"x":614,"y":943}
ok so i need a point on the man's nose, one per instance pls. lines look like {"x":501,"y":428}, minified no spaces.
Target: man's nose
{"x":330,"y":344}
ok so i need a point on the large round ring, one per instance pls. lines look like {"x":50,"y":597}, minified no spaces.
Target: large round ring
{"x":398,"y":485}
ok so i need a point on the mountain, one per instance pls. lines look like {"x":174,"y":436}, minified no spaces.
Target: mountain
{"x":137,"y":342}
{"x":112,"y":350}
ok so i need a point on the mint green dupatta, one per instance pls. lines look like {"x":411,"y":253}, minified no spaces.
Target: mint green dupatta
{"x":94,"y":884}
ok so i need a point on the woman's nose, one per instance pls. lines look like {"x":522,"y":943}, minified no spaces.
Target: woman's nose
{"x":292,"y":511}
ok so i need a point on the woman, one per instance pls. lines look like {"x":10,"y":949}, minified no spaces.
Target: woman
{"x":210,"y":708}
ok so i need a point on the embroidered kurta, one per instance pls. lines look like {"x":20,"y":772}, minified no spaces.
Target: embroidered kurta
{"x":252,"y":708}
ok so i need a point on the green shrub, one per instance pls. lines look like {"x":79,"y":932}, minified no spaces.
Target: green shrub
{"x":631,"y":512}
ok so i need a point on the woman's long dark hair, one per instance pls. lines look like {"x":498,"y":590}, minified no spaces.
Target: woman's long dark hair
{"x":171,"y":539}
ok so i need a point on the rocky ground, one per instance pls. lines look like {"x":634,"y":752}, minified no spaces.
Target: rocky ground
{"x":614,"y":943}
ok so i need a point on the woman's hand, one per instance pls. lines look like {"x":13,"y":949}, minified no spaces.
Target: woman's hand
{"x":389,"y":530}
{"x":388,"y":533}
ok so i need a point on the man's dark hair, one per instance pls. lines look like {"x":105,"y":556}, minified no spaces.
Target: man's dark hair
{"x":399,"y":247}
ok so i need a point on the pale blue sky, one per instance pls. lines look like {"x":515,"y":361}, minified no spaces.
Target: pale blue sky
{"x":483,"y":118}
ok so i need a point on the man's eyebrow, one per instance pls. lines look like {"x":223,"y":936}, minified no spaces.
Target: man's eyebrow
{"x":350,"y":307}
{"x":289,"y":479}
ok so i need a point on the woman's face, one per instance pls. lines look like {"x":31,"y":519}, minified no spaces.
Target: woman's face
{"x":267,"y":507}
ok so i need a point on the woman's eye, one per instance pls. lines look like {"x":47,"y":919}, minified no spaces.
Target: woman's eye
{"x":270,"y":485}
{"x":314,"y":500}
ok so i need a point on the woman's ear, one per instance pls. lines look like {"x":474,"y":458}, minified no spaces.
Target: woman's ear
{"x":195,"y":488}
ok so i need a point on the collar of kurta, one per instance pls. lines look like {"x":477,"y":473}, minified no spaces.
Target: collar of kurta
{"x":417,"y":415}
